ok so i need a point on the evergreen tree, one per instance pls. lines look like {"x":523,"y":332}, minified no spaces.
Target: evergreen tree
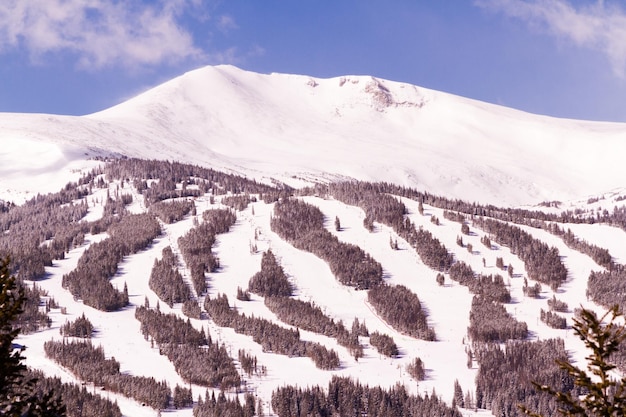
{"x":17,"y":393}
{"x":603,"y":394}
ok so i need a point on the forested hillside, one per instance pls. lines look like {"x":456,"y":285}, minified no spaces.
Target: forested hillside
{"x":157,"y":286}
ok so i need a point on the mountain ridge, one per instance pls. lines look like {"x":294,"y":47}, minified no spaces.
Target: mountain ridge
{"x":300,"y":129}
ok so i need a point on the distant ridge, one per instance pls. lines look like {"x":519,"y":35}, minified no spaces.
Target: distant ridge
{"x":300,"y":129}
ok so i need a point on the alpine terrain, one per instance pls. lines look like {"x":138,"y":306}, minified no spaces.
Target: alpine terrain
{"x":234,"y":243}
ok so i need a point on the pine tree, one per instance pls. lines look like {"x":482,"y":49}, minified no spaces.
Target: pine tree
{"x":17,"y":393}
{"x":604,"y":395}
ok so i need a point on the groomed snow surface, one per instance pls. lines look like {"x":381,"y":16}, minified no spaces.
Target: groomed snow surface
{"x":445,"y":360}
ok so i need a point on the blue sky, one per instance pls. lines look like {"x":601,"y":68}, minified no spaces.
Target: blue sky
{"x":564,"y":58}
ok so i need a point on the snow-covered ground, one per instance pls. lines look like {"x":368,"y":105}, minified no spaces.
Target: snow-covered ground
{"x":445,"y":359}
{"x":298,"y":129}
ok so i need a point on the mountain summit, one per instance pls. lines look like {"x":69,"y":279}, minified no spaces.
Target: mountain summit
{"x":299,"y":129}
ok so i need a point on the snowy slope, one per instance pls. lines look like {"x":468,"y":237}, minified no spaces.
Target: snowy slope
{"x":448,"y":306}
{"x":297,"y":129}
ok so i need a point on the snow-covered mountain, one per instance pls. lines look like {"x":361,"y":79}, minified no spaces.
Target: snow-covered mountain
{"x":299,"y":129}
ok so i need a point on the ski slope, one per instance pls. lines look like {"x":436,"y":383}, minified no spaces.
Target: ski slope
{"x":448,"y":306}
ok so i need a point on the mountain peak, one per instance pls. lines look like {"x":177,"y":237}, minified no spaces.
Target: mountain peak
{"x":298,"y":129}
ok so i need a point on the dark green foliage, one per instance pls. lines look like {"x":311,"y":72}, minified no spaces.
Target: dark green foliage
{"x":177,"y":173}
{"x":81,"y":327}
{"x":504,"y":375}
{"x":89,"y":364}
{"x":532,"y":291}
{"x":553,"y":320}
{"x":238,"y":202}
{"x":223,"y":406}
{"x":18,"y":393}
{"x":168,"y":328}
{"x":490,"y":322}
{"x":454,"y":217}
{"x":210,"y":367}
{"x":271,"y":279}
{"x":302,"y":225}
{"x":542,"y":262}
{"x":32,"y":317}
{"x":608,"y":288}
{"x":600,"y":255}
{"x":401,"y":308}
{"x":248,"y":363}
{"x":78,"y":400}
{"x":166,"y":281}
{"x":196,"y":245}
{"x":171,"y":211}
{"x":389,"y":210}
{"x":272,"y":337}
{"x":197,"y":359}
{"x":557,"y":305}
{"x":488,"y":286}
{"x":458,"y":399}
{"x":359,"y":329}
{"x":416,"y":369}
{"x":348,"y":398}
{"x":192,"y":309}
{"x":182,"y":397}
{"x":99,"y":263}
{"x":53,"y":219}
{"x":603,"y":394}
{"x":243,"y":295}
{"x":384,"y":344}
{"x":307,"y":316}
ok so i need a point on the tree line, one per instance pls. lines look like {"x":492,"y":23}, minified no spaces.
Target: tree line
{"x":542,"y":262}
{"x":272,"y":283}
{"x":345,"y":397}
{"x":271,"y":280}
{"x":89,"y":364}
{"x":505,"y":374}
{"x":172,"y":211}
{"x":81,"y":327}
{"x":77,"y":400}
{"x":401,"y":308}
{"x":166,"y":281}
{"x":302,"y":225}
{"x":272,"y":337}
{"x":194,"y":355}
{"x":490,"y":322}
{"x":90,"y":280}
{"x":222,"y":406}
{"x":307,"y":316}
{"x":381,"y":207}
{"x":196,"y":244}
{"x":208,"y":179}
{"x":607,"y":288}
{"x":490,"y":287}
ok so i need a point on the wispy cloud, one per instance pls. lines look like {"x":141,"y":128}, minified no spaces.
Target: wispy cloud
{"x":226,"y":23}
{"x":100,"y":33}
{"x":600,"y":25}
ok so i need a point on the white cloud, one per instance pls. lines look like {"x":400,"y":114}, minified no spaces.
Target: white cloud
{"x":226,"y":23}
{"x":101,"y":33}
{"x":600,"y":25}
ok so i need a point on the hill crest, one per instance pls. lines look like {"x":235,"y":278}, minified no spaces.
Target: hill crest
{"x":299,"y":129}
